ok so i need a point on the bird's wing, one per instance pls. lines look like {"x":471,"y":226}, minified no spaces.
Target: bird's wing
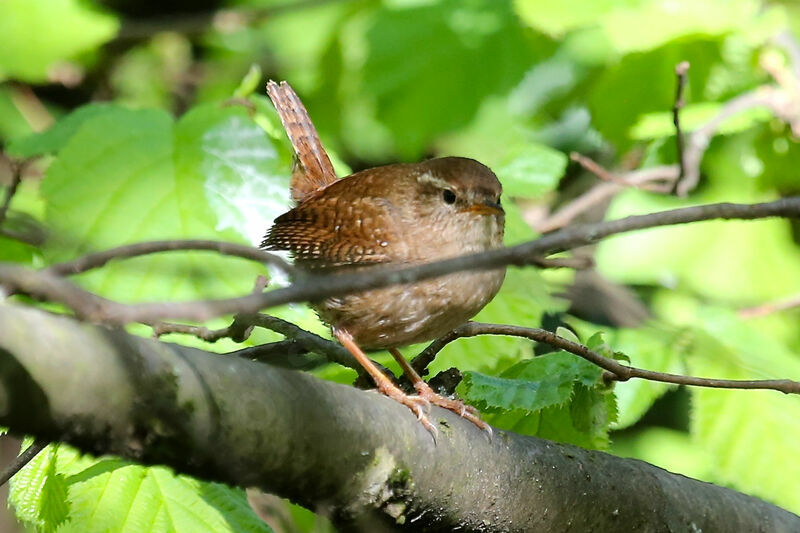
{"x":336,"y":230}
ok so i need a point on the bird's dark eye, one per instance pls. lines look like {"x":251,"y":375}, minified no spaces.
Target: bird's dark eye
{"x":449,"y":196}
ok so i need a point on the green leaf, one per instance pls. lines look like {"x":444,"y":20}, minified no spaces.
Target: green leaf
{"x":568,"y":334}
{"x":53,"y":139}
{"x":214,"y":174}
{"x":12,"y":123}
{"x":779,"y":154}
{"x":660,"y":124}
{"x":592,"y":411}
{"x":558,"y":18}
{"x":748,"y":434}
{"x":249,"y":83}
{"x":653,"y":23}
{"x":112,"y":495}
{"x":620,"y":95}
{"x":584,"y":421}
{"x":38,"y":492}
{"x":655,"y":346}
{"x":531,"y":170}
{"x":36,"y":36}
{"x":472,"y":49}
{"x":153,"y":73}
{"x":700,"y":257}
{"x":670,"y":449}
{"x":532,"y":384}
{"x":639,"y":25}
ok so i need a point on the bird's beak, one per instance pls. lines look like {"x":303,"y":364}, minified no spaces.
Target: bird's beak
{"x":485,"y":208}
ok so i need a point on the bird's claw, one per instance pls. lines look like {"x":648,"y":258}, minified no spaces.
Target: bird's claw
{"x":463,"y":410}
{"x":420,"y":406}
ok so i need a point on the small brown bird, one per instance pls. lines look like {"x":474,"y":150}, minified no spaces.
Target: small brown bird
{"x":403,"y":214}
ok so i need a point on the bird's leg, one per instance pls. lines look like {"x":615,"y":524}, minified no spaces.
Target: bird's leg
{"x":419,"y":405}
{"x":425,"y":391}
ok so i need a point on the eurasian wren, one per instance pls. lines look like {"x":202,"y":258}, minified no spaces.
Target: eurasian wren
{"x":403,"y":214}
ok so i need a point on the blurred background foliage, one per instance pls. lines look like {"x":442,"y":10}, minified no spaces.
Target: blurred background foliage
{"x":148,"y":120}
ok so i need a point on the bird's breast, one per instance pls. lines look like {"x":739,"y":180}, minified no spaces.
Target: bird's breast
{"x":417,"y":312}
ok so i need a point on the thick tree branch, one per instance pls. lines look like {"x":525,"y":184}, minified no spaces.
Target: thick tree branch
{"x":357,"y":455}
{"x":94,"y":308}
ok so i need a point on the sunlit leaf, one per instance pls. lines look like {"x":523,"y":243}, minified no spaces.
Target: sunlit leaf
{"x":112,"y":495}
{"x":637,"y":25}
{"x":668,"y":448}
{"x":38,"y":492}
{"x":532,"y":384}
{"x":55,"y":137}
{"x":660,"y":124}
{"x":473,"y":49}
{"x":34,"y":36}
{"x":656,"y":347}
{"x":151,"y":179}
{"x":748,"y":434}
{"x":557,"y":18}
{"x":713,"y":257}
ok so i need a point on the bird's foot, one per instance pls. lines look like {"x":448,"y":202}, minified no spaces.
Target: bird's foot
{"x":463,"y":410}
{"x":420,"y":406}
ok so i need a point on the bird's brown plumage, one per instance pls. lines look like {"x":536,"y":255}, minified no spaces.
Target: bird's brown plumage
{"x":396,"y":215}
{"x":313,"y":169}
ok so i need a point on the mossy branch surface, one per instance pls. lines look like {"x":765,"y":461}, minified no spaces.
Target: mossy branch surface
{"x":355,"y":455}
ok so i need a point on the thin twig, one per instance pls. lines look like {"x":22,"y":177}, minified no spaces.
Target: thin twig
{"x":33,"y":111}
{"x":288,"y":353}
{"x":99,"y":259}
{"x":17,"y":168}
{"x":769,"y":308}
{"x":775,"y":99}
{"x":239,"y":330}
{"x":698,"y":141}
{"x":592,"y":166}
{"x":680,"y":72}
{"x":22,"y":459}
{"x":312,"y":342}
{"x":616,"y":371}
{"x":201,"y":332}
{"x":603,"y":191}
{"x":47,"y":285}
{"x":630,"y":179}
{"x":575,"y":263}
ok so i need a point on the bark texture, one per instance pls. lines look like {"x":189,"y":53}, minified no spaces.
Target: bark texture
{"x":359,"y":457}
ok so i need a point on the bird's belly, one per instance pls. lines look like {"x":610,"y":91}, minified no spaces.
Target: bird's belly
{"x":407,"y":314}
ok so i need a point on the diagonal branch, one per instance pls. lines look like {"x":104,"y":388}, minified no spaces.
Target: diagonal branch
{"x":22,"y":459}
{"x":99,"y":259}
{"x":44,"y":284}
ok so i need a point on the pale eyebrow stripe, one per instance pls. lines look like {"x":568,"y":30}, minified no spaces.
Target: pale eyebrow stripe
{"x":429,"y":178}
